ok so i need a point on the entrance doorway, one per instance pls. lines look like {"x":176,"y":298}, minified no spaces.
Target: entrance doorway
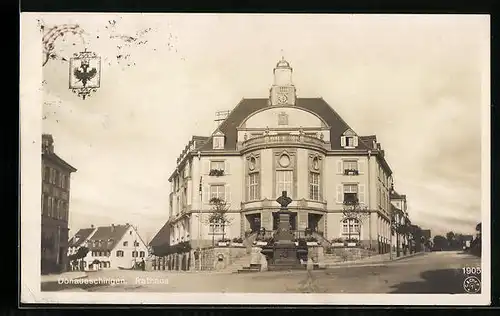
{"x":293,"y":221}
{"x":254,"y":222}
{"x":313,"y":221}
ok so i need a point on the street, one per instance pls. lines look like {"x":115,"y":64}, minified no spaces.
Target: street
{"x":436,"y":272}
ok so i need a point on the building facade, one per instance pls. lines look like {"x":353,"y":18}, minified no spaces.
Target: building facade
{"x":282,"y":143}
{"x":56,"y":176}
{"x":401,"y":220}
{"x":109,"y":247}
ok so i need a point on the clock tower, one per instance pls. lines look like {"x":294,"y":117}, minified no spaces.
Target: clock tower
{"x":282,"y":91}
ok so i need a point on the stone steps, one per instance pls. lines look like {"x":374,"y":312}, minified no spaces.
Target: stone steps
{"x":254,"y":267}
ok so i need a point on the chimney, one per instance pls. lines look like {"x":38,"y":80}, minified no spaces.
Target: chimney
{"x":91,"y":225}
{"x":112,"y":227}
{"x":47,"y":144}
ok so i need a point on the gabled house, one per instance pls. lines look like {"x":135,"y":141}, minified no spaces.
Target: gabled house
{"x":110,"y":247}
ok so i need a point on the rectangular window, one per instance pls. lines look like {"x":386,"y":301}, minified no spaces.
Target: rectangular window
{"x":45,"y":205}
{"x":218,"y":142}
{"x":125,"y":243}
{"x":57,"y":208}
{"x":284,"y":182}
{"x":351,"y":228}
{"x":217,"y":165}
{"x":314,"y":186}
{"x":49,"y":207}
{"x":134,"y":254}
{"x":350,"y":193}
{"x":350,"y":165}
{"x":46,"y":174}
{"x":218,"y":191}
{"x":215,"y":228}
{"x":253,"y":186}
{"x":349,"y":141}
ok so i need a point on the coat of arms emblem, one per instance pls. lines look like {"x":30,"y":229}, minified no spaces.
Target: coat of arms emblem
{"x":85,"y":73}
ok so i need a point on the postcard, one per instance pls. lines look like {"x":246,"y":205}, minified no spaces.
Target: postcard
{"x":303,"y":159}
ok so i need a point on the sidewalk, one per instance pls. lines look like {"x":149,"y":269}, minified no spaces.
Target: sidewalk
{"x":376,"y":260}
{"x":66,"y":275}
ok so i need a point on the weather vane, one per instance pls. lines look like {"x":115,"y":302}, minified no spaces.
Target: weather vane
{"x":84,"y":73}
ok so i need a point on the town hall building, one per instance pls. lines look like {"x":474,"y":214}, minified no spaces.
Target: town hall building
{"x":339,"y":181}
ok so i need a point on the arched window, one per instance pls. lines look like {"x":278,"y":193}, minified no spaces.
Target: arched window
{"x":351,"y":228}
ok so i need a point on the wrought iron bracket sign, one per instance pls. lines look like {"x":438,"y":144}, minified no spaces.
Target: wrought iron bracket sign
{"x":84,"y":73}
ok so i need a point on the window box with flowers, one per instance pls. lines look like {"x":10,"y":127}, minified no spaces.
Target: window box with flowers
{"x":338,"y":243}
{"x":351,"y":242}
{"x":216,"y":172}
{"x":223,"y":242}
{"x":237,"y":242}
{"x":311,"y":241}
{"x":351,"y":172}
{"x":300,"y":242}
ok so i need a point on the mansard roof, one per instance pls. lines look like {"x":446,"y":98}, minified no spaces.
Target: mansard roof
{"x":316,"y":105}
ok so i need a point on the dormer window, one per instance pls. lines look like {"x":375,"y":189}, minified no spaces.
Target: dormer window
{"x":349,"y":139}
{"x":218,"y":140}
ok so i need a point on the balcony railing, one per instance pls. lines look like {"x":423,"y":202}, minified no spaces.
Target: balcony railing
{"x":283,"y":139}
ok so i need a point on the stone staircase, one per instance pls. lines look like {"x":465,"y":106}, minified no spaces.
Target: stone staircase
{"x":243,"y":261}
{"x":252,"y":268}
{"x":322,"y":240}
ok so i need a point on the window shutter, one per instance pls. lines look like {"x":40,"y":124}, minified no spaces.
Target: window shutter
{"x":361,"y":193}
{"x":206,"y":167}
{"x":206,"y":193}
{"x":340,"y":197}
{"x":342,"y":141}
{"x":339,"y":166}
{"x":361,"y":166}
{"x":227,"y":169}
{"x":227,"y":193}
{"x":355,"y":141}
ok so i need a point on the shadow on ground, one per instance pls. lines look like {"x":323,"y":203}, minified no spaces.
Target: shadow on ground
{"x":444,"y":281}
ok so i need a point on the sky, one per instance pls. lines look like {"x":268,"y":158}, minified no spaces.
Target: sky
{"x":414,"y":81}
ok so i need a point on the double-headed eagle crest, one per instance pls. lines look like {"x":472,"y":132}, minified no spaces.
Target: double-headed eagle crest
{"x":85,"y":69}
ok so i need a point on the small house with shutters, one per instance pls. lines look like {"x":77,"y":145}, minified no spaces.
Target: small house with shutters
{"x":110,"y":247}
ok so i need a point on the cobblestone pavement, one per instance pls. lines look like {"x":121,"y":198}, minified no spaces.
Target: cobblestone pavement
{"x":437,"y":272}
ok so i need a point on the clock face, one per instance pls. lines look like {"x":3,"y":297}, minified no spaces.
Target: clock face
{"x":282,"y":98}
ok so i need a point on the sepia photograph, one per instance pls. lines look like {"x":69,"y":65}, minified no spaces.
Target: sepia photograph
{"x":276,"y":159}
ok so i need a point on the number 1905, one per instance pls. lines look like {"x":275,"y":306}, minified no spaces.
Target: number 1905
{"x":471,"y":270}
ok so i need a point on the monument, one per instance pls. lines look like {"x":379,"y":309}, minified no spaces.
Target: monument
{"x":285,"y":252}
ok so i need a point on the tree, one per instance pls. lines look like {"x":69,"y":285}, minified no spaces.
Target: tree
{"x":397,"y":226}
{"x":353,"y":210}
{"x":416,"y":235}
{"x":219,"y":215}
{"x":440,"y":242}
{"x":450,"y":237}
